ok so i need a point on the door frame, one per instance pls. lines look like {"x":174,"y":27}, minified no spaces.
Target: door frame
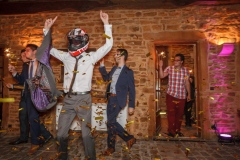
{"x":182,"y":37}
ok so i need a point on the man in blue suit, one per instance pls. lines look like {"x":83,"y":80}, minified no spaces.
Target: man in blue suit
{"x":122,"y":84}
{"x":23,"y":117}
{"x":39,"y":134}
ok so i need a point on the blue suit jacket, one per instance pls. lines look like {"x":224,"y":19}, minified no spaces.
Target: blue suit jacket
{"x":21,"y":78}
{"x":124,"y":86}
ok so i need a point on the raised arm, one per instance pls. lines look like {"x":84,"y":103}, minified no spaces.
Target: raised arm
{"x":19,"y":77}
{"x":102,"y":51}
{"x":187,"y":84}
{"x":43,"y":52}
{"x":161,"y":73}
{"x":47,"y":32}
{"x":103,"y":71}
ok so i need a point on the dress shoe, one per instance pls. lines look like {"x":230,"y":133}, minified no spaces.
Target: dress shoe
{"x":170,"y":135}
{"x":48,"y":139}
{"x":19,"y":141}
{"x":108,"y":152}
{"x":33,"y":149}
{"x":179,"y":134}
{"x":131,"y":142}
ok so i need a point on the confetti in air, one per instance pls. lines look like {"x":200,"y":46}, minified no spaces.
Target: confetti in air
{"x":63,"y":111}
{"x":85,"y":107}
{"x":162,"y":112}
{"x":176,"y":102}
{"x":99,"y":118}
{"x":187,"y":151}
{"x":106,"y":36}
{"x":212,"y":98}
{"x":57,"y":143}
{"x":200,"y":112}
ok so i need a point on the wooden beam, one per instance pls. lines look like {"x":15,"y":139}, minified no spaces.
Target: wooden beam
{"x":35,"y":7}
{"x":30,"y":7}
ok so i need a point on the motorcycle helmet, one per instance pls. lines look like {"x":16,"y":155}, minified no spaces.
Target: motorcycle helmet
{"x":78,"y":41}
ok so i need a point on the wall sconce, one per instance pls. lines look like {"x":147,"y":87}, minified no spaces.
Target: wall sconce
{"x":227,"y":49}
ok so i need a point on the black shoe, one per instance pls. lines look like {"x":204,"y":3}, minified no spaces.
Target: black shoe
{"x":48,"y":139}
{"x":170,"y":135}
{"x":19,"y":141}
{"x":179,"y":134}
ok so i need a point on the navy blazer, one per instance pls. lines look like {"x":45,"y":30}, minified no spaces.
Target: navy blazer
{"x":21,"y":78}
{"x":124,"y":86}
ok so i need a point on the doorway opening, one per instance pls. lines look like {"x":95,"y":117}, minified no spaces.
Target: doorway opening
{"x":166,"y":52}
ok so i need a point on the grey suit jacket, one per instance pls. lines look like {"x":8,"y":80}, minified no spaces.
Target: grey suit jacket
{"x":45,"y":76}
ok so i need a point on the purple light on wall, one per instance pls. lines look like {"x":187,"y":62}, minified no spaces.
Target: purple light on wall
{"x":227,"y":49}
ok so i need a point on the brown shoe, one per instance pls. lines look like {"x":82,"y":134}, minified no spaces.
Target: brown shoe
{"x":33,"y":149}
{"x":108,"y":152}
{"x":131,"y":142}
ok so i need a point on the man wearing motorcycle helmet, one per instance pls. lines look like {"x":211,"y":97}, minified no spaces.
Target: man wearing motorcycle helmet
{"x":78,"y":71}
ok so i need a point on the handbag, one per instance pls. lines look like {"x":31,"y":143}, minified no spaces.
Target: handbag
{"x":40,"y":90}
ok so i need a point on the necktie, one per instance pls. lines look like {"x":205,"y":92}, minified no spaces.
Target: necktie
{"x":31,"y":70}
{"x":74,"y":75}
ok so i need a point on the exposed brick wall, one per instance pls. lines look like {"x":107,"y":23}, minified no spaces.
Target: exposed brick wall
{"x":131,"y":29}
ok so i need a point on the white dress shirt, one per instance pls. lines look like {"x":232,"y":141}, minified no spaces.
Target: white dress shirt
{"x":35,"y":64}
{"x":83,"y":81}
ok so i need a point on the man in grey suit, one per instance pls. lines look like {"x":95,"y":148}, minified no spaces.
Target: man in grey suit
{"x":78,"y":71}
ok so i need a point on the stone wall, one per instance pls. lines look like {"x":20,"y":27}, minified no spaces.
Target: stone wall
{"x":133,"y":29}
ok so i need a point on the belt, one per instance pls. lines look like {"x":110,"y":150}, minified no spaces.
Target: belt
{"x":113,"y":95}
{"x":79,"y":93}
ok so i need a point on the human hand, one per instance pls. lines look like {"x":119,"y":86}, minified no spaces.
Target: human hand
{"x":11,"y":69}
{"x":49,"y":22}
{"x":188,"y":98}
{"x":131,"y":111}
{"x":160,"y":63}
{"x":104,"y":17}
{"x":102,"y":62}
{"x":9,"y":85}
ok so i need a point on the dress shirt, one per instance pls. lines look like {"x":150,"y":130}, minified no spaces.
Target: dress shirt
{"x":115,"y":79}
{"x":35,"y":64}
{"x":83,"y":81}
{"x":177,"y":81}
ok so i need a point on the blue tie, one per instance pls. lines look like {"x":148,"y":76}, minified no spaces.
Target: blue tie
{"x":31,"y":70}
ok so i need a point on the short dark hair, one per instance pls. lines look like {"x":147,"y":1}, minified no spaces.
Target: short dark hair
{"x":23,"y":50}
{"x":123,"y":52}
{"x":32,"y":46}
{"x":181,"y":56}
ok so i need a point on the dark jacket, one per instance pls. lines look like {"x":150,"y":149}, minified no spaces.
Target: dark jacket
{"x":124,"y":86}
{"x":21,"y":78}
